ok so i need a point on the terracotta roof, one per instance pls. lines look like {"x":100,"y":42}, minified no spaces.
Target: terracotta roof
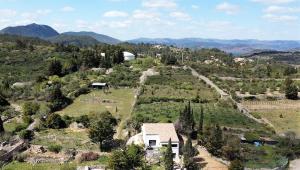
{"x":164,"y":130}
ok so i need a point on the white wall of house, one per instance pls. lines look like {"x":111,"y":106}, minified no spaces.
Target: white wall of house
{"x":148,"y":137}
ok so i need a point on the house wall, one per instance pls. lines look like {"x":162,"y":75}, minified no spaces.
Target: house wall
{"x":149,"y":137}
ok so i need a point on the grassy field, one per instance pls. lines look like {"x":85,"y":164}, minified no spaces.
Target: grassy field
{"x":98,"y":101}
{"x":103,"y":160}
{"x":66,"y":138}
{"x":213,"y":113}
{"x":284,"y":114}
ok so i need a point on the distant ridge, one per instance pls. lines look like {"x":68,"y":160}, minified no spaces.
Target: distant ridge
{"x":230,"y":46}
{"x":80,"y":41}
{"x":31,"y":30}
{"x":99,"y":37}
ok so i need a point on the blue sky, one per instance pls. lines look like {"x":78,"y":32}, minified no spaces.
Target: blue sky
{"x":128,"y":19}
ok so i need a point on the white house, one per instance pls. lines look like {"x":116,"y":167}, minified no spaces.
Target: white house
{"x":128,"y":56}
{"x":157,"y":135}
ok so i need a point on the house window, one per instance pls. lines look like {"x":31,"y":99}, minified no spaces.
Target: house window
{"x":152,"y":142}
{"x":174,"y":145}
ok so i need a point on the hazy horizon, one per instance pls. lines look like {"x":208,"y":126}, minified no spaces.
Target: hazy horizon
{"x":131,"y":19}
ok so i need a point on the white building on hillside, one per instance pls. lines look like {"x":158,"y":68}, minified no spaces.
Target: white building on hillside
{"x":157,"y":135}
{"x":128,"y":56}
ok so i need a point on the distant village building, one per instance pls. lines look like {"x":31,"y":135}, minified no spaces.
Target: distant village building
{"x":128,"y":56}
{"x":157,"y":135}
{"x":99,"y":85}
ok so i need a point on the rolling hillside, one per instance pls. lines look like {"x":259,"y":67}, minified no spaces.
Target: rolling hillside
{"x":32,"y":30}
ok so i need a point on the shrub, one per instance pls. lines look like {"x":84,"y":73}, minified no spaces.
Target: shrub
{"x":54,"y":121}
{"x":26,"y":134}
{"x":30,"y":108}
{"x":55,"y":148}
{"x":27,"y":119}
{"x":20,"y":127}
{"x":251,"y":136}
{"x":20,"y":157}
{"x":89,"y":156}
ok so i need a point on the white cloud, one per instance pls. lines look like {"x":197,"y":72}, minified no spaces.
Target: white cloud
{"x":159,"y":4}
{"x":274,"y":1}
{"x":280,"y":18}
{"x":7,"y":13}
{"x":116,"y":24}
{"x":115,"y":14}
{"x":180,"y":15}
{"x":139,"y":14}
{"x":68,"y":9}
{"x":228,"y":8}
{"x":33,"y":16}
{"x":281,"y":9}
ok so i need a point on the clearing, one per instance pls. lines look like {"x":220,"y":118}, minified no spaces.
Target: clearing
{"x":283,"y":114}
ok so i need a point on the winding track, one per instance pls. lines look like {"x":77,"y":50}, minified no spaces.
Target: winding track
{"x":226,"y":96}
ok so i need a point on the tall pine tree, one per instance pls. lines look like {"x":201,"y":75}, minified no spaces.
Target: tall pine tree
{"x":168,"y":157}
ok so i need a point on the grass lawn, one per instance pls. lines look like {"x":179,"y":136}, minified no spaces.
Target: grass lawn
{"x":98,"y":101}
{"x":103,"y":160}
{"x":289,"y":121}
{"x":283,"y":114}
{"x":66,"y":138}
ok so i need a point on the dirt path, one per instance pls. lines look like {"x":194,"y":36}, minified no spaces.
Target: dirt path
{"x":295,"y":164}
{"x":209,"y":162}
{"x":210,"y":83}
{"x":121,"y":132}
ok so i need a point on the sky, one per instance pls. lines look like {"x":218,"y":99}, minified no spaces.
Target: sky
{"x":130,"y":19}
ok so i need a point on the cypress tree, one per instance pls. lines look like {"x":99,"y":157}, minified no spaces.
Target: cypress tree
{"x":188,"y":154}
{"x":186,"y":119}
{"x":1,"y":125}
{"x":201,"y":120}
{"x":168,"y":157}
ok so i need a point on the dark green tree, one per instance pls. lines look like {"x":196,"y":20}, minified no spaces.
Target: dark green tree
{"x":55,"y":68}
{"x":102,"y":129}
{"x":236,"y":165}
{"x":186,"y":120}
{"x":118,"y":160}
{"x":201,"y":121}
{"x":1,"y":125}
{"x":128,"y":158}
{"x":215,"y":141}
{"x":168,"y":157}
{"x":54,"y":121}
{"x":291,"y":90}
{"x":30,"y":108}
{"x":188,"y":154}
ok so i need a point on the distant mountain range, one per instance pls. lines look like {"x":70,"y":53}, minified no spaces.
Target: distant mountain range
{"x":47,"y":33}
{"x":32,"y":30}
{"x":83,"y":38}
{"x":231,"y":46}
{"x":80,"y":41}
{"x":99,"y":37}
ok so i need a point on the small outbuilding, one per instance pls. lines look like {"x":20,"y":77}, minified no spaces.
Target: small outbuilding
{"x":128,"y":56}
{"x":99,"y":85}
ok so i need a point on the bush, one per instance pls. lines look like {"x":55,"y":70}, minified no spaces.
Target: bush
{"x":30,"y":108}
{"x":20,"y":157}
{"x":27,"y":119}
{"x":54,"y":121}
{"x":251,"y":136}
{"x":26,"y":134}
{"x":89,"y":156}
{"x":55,"y":148}
{"x":20,"y":127}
